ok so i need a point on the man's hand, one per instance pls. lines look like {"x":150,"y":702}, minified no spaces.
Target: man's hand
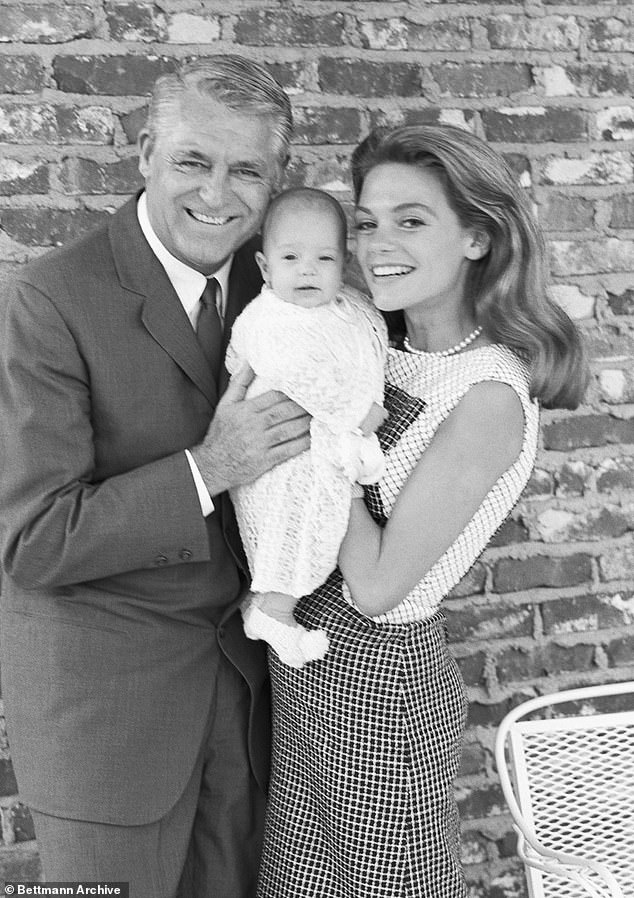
{"x":247,"y":437}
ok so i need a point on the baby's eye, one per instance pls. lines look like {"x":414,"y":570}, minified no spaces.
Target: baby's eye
{"x":326,"y":258}
{"x":289,"y":257}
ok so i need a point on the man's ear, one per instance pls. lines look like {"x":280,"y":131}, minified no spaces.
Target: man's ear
{"x":478,"y":245}
{"x":144,"y":145}
{"x":260,"y":258}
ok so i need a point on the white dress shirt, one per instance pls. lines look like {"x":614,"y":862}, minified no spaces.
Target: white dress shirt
{"x":189,"y":285}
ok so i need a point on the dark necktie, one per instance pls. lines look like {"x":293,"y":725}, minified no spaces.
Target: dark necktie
{"x":209,"y":327}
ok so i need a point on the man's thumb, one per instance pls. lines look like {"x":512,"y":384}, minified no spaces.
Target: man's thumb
{"x":239,"y":384}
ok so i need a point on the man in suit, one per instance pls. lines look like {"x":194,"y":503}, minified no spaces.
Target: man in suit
{"x":136,"y":708}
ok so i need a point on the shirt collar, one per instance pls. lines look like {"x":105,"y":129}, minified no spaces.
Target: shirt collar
{"x":187,"y":282}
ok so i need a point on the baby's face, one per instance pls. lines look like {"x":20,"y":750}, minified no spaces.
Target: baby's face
{"x":303,"y":260}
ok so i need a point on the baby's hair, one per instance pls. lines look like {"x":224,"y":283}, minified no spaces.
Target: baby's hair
{"x":308,"y":199}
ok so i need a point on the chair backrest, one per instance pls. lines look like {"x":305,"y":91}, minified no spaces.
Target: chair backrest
{"x":574,"y":785}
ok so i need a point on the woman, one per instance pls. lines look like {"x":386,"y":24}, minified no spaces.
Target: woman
{"x":367,"y":741}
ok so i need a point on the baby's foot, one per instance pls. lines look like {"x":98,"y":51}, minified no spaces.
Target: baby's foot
{"x":286,"y":640}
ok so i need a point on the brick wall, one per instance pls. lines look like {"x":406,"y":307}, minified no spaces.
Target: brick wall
{"x":549,"y":83}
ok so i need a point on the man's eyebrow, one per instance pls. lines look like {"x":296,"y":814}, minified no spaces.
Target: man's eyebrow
{"x":248,"y":163}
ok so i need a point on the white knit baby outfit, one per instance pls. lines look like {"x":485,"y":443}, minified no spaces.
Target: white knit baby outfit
{"x":330,"y":360}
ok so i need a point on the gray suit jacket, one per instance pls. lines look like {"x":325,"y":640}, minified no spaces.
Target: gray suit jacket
{"x":117,"y":593}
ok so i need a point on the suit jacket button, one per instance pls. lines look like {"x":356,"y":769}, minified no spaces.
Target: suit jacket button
{"x":185,"y":554}
{"x":161,"y":559}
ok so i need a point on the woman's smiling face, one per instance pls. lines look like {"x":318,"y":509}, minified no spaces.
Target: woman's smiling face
{"x":410,"y":244}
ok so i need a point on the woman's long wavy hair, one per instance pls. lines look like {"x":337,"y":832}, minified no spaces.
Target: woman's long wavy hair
{"x":508,"y":285}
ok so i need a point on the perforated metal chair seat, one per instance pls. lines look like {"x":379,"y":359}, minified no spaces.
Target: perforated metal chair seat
{"x":569,"y":784}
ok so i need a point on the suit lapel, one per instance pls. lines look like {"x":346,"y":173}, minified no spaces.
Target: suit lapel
{"x":245,"y":282}
{"x":163,"y":315}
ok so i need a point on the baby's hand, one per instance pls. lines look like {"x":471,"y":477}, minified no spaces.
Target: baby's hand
{"x":373,"y":420}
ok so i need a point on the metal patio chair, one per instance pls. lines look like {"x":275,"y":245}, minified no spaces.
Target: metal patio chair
{"x":569,"y":784}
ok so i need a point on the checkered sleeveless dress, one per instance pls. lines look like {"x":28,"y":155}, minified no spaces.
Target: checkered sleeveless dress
{"x":367,"y":741}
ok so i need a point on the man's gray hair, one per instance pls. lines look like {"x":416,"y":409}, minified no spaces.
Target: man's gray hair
{"x":241,"y":85}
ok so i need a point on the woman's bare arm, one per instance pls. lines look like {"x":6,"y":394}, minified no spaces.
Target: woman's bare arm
{"x":474,"y":446}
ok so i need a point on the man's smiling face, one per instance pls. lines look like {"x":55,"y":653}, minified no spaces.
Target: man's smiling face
{"x":209,"y":175}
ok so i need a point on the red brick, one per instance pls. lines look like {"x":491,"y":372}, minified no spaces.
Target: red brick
{"x":22,"y":823}
{"x":135,"y":22}
{"x":622,"y":303}
{"x":519,"y":164}
{"x":48,"y":227}
{"x":519,"y":664}
{"x":45,"y":23}
{"x":369,"y":79}
{"x":8,"y":785}
{"x":395,"y":118}
{"x":482,"y":79}
{"x":622,"y":212}
{"x":510,"y":125}
{"x":507,"y":32}
{"x":510,"y":533}
{"x":590,"y":255}
{"x":20,"y":863}
{"x":491,"y":715}
{"x":572,"y":479}
{"x":587,"y":430}
{"x":615,"y":474}
{"x":28,"y":177}
{"x":110,"y":75}
{"x":293,"y":76}
{"x":21,"y":74}
{"x":315,"y":125}
{"x":585,"y":2}
{"x":617,"y":562}
{"x":256,"y":27}
{"x":132,"y":122}
{"x":296,"y":175}
{"x":615,"y":123}
{"x":566,"y":213}
{"x":472,"y":668}
{"x":42,"y":123}
{"x":621,"y":651}
{"x":509,"y":884}
{"x":570,"y":615}
{"x":608,"y":704}
{"x":327,"y":168}
{"x":473,"y":759}
{"x":601,"y":80}
{"x":611,"y":34}
{"x":474,"y":847}
{"x":481,"y":801}
{"x":489,"y":621}
{"x":402,"y":34}
{"x":472,"y":583}
{"x":86,"y":176}
{"x":512,"y":575}
{"x":564,"y":526}
{"x":540,"y":484}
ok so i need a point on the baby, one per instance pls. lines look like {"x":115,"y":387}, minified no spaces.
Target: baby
{"x":324,"y":346}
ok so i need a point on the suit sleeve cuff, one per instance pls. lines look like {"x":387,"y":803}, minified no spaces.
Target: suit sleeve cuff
{"x":206,"y":502}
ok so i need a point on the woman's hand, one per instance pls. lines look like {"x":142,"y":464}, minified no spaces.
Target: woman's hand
{"x":373,"y":420}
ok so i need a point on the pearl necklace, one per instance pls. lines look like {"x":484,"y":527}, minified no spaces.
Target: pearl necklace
{"x":442,"y":353}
